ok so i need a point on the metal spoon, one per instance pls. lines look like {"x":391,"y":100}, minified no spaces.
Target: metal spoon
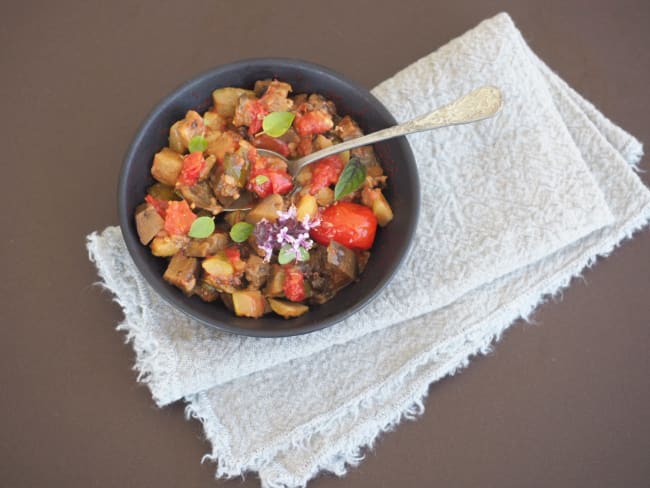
{"x":479,"y":104}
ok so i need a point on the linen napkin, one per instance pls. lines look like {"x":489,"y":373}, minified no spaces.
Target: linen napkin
{"x":512,"y":209}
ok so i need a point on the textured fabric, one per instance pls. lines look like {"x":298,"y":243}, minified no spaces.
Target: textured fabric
{"x":512,"y":208}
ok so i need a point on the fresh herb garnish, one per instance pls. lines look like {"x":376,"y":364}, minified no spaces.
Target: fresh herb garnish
{"x":202,"y":227}
{"x":288,"y":254}
{"x":197,"y":144}
{"x":241,"y":231}
{"x":261,"y":179}
{"x":288,"y":234}
{"x":351,"y":178}
{"x":277,"y":123}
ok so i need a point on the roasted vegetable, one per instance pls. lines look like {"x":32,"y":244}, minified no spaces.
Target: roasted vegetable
{"x":182,"y":132}
{"x":257,"y":271}
{"x":307,"y":207}
{"x":275,"y":283}
{"x":200,"y":248}
{"x":160,"y":191}
{"x":200,"y":196}
{"x":381,"y":209}
{"x":226,"y":100}
{"x":287,"y":309}
{"x":248,"y":303}
{"x":206,"y":291}
{"x":266,"y":209}
{"x":167,"y":165}
{"x":218,"y":266}
{"x":341,"y":264}
{"x":148,"y":222}
{"x":182,"y":272}
{"x":165,"y":246}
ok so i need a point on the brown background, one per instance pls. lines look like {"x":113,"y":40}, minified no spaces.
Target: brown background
{"x":563,"y":403}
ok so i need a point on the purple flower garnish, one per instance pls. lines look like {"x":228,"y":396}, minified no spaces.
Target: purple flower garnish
{"x":286,"y":231}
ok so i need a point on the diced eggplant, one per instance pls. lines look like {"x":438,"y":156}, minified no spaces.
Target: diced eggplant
{"x":225,"y":143}
{"x":248,"y":303}
{"x":286,"y":309}
{"x":257,"y":271}
{"x":342,"y":264}
{"x":226,"y":298}
{"x":148,"y":222}
{"x":245,"y":111}
{"x":182,"y":132}
{"x":182,"y":272}
{"x":214,"y":121}
{"x":200,"y":248}
{"x":266,"y":209}
{"x":205,"y":291}
{"x":200,"y":196}
{"x":275,"y":96}
{"x":167,"y":165}
{"x":347,"y":129}
{"x":226,"y":99}
{"x":275,"y":282}
{"x":236,"y":166}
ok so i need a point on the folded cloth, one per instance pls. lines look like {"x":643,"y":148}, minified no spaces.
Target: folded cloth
{"x":512,"y":209}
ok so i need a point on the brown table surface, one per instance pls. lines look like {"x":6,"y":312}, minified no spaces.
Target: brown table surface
{"x":564,"y":403}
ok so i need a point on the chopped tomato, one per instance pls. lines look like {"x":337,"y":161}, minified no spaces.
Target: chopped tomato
{"x":193,"y":163}
{"x":347,"y":223}
{"x":265,"y":141}
{"x":294,"y":284}
{"x":315,"y":122}
{"x":275,"y":178}
{"x":325,"y":172}
{"x":232,"y":253}
{"x":159,"y":205}
{"x":178,"y":218}
{"x":257,"y":111}
{"x":305,"y":146}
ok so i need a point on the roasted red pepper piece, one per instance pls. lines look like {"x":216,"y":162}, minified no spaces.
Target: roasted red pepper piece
{"x":347,"y":223}
{"x":265,"y":141}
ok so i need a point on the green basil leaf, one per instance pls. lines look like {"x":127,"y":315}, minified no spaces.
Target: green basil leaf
{"x":202,"y":227}
{"x":277,"y":123}
{"x":286,"y":255}
{"x":197,"y":144}
{"x":303,"y":255}
{"x":261,"y":179}
{"x":241,"y":231}
{"x":351,"y":178}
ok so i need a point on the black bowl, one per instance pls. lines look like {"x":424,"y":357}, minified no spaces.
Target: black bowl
{"x":391,"y":245}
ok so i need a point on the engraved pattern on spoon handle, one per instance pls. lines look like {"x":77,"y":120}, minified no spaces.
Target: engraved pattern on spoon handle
{"x":476,"y":105}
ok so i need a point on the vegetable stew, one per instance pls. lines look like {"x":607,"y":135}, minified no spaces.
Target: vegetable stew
{"x":303,"y":240}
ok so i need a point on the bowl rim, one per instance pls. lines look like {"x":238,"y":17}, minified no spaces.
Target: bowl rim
{"x":154,"y":280}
